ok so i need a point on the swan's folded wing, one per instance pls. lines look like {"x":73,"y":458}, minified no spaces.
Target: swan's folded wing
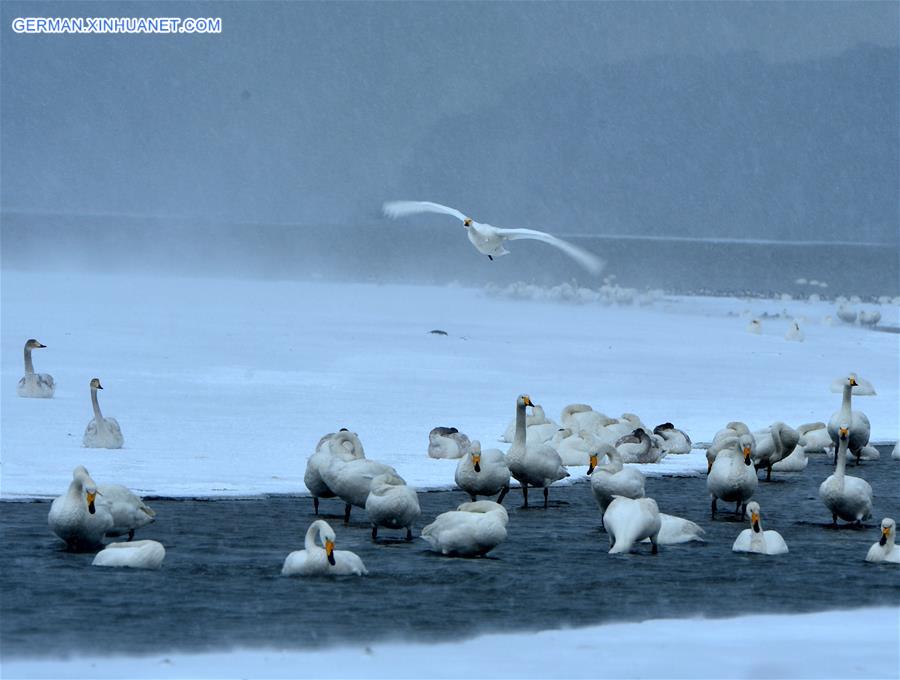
{"x":403,"y":208}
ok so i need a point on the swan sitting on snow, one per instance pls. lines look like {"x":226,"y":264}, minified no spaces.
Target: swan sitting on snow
{"x":535,"y":465}
{"x":755,"y":540}
{"x":473,"y":529}
{"x":732,"y":477}
{"x":629,"y":521}
{"x":773,"y":444}
{"x":489,"y":240}
{"x":392,"y":504}
{"x":136,"y":555}
{"x":101,"y":433}
{"x":447,"y":442}
{"x":75,"y":517}
{"x":351,"y":480}
{"x":885,"y":550}
{"x":40,"y":385}
{"x":344,"y":445}
{"x":574,"y":448}
{"x":847,"y":497}
{"x":796,"y":462}
{"x":675,"y":441}
{"x":544,"y":427}
{"x":483,"y":473}
{"x":322,"y":560}
{"x":856,"y":421}
{"x":638,"y":447}
{"x":581,"y":418}
{"x":816,"y":437}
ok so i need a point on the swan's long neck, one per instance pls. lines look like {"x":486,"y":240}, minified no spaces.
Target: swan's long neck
{"x":76,"y":490}
{"x":520,"y":424}
{"x":758,"y":538}
{"x":776,"y":441}
{"x":841,"y":463}
{"x":310,"y":541}
{"x":845,"y":403}
{"x":29,"y":367}
{"x":615,"y":461}
{"x":96,"y":404}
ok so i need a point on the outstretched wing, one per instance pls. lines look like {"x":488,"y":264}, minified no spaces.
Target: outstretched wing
{"x":587,"y":260}
{"x":402,"y":208}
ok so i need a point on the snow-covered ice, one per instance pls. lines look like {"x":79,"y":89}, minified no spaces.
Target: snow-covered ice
{"x":223,"y":387}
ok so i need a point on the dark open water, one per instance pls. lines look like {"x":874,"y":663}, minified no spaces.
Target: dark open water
{"x":220,"y":585}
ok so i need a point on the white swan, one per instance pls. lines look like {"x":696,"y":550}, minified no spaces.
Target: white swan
{"x":732,"y":477}
{"x":773,"y":444}
{"x":868,"y":452}
{"x":129,"y":512}
{"x":489,"y":240}
{"x":816,"y":436}
{"x":581,"y":418}
{"x":532,"y":465}
{"x":674,"y":530}
{"x":101,"y":433}
{"x":755,"y":540}
{"x":638,"y":447}
{"x":621,"y":427}
{"x":344,"y":445}
{"x":351,"y":480}
{"x":613,"y":478}
{"x":75,"y":517}
{"x":631,"y":520}
{"x":40,"y":385}
{"x":794,"y":332}
{"x":754,"y":326}
{"x":869,"y":319}
{"x":447,"y":442}
{"x":574,"y":448}
{"x":473,"y":529}
{"x":856,"y":421}
{"x":534,"y":419}
{"x":895,"y":454}
{"x":885,"y":550}
{"x":392,"y":504}
{"x":847,"y":497}
{"x":846,"y":314}
{"x":133,"y":554}
{"x":322,"y":560}
{"x":796,"y":462}
{"x":721,"y":440}
{"x":483,"y":473}
{"x":675,"y":441}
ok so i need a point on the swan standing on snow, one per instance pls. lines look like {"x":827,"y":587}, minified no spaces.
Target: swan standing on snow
{"x":322,"y":560}
{"x":772,"y":445}
{"x":351,"y":480}
{"x":733,"y":477}
{"x":101,"y":433}
{"x":532,"y":465}
{"x":613,"y":478}
{"x":392,"y":504}
{"x":129,"y":512}
{"x":629,"y":521}
{"x":488,"y":240}
{"x":40,"y":385}
{"x":849,"y":498}
{"x":447,"y":442}
{"x":75,"y":517}
{"x":755,"y":540}
{"x":483,"y":473}
{"x":344,"y":445}
{"x":136,"y":555}
{"x":885,"y":550}
{"x":856,"y":421}
{"x":473,"y":529}
{"x":794,"y":333}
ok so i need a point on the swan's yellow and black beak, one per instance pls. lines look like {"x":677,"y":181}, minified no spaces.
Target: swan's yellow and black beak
{"x":884,"y":536}
{"x":90,"y":500}
{"x":476,"y":462}
{"x":853,"y":382}
{"x":592,"y":463}
{"x":754,"y":519}
{"x":528,"y":401}
{"x":843,"y":432}
{"x":467,"y":222}
{"x":746,"y":455}
{"x":329,"y":551}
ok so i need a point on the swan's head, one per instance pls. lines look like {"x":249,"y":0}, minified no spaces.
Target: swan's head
{"x":525,"y":400}
{"x":888,"y":527}
{"x":851,"y":380}
{"x":326,"y":535}
{"x":753,"y":511}
{"x":95,"y":384}
{"x":90,"y":493}
{"x":659,"y":429}
{"x":33,"y":344}
{"x":844,"y":433}
{"x":467,"y":222}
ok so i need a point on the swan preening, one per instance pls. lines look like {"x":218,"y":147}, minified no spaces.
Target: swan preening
{"x":885,"y":550}
{"x":392,"y":504}
{"x":847,"y":497}
{"x":773,"y":444}
{"x":535,"y":465}
{"x":101,"y":433}
{"x":675,"y":441}
{"x":344,"y":445}
{"x":447,"y":442}
{"x":136,"y":555}
{"x":483,"y":473}
{"x":755,"y":540}
{"x":472,"y":530}
{"x":322,"y":560}
{"x":489,"y":240}
{"x":39,"y":385}
{"x":629,"y":521}
{"x":856,"y":421}
{"x":732,"y":477}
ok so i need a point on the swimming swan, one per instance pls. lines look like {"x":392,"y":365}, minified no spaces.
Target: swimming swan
{"x":732,"y":477}
{"x":631,"y":520}
{"x":489,"y":240}
{"x":322,"y":561}
{"x":136,"y":555}
{"x":101,"y":433}
{"x":856,"y":421}
{"x":351,"y":480}
{"x":885,"y":550}
{"x":447,"y":442}
{"x":532,"y":464}
{"x":75,"y":517}
{"x":483,"y":473}
{"x":847,"y":497}
{"x":473,"y":529}
{"x":344,"y":445}
{"x":40,"y":385}
{"x":392,"y":504}
{"x":755,"y":540}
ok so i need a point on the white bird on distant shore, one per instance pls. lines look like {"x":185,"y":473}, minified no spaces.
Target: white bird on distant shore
{"x":33,"y":384}
{"x":101,"y":433}
{"x":487,"y":239}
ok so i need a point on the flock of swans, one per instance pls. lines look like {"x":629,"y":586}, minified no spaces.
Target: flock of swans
{"x":539,"y":454}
